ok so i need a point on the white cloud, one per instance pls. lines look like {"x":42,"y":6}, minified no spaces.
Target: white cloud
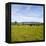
{"x":27,"y":19}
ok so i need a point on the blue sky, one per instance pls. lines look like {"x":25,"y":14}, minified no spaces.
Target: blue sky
{"x":26,"y":13}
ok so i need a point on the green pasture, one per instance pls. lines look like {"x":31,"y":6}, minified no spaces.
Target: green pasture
{"x":26,"y":32}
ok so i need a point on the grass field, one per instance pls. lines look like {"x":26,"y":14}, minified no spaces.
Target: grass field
{"x":26,"y":32}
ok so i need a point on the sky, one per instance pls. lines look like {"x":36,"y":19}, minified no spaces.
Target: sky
{"x":26,"y":13}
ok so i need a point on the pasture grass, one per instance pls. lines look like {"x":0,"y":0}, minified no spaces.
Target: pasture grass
{"x":26,"y":32}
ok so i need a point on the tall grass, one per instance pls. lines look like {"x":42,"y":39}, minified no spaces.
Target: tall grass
{"x":26,"y":32}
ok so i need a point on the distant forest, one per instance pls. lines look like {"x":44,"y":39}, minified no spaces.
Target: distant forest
{"x":26,"y":23}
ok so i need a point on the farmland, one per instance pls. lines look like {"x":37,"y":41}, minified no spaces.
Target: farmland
{"x":26,"y":32}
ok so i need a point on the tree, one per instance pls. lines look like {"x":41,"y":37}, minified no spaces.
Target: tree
{"x":15,"y":22}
